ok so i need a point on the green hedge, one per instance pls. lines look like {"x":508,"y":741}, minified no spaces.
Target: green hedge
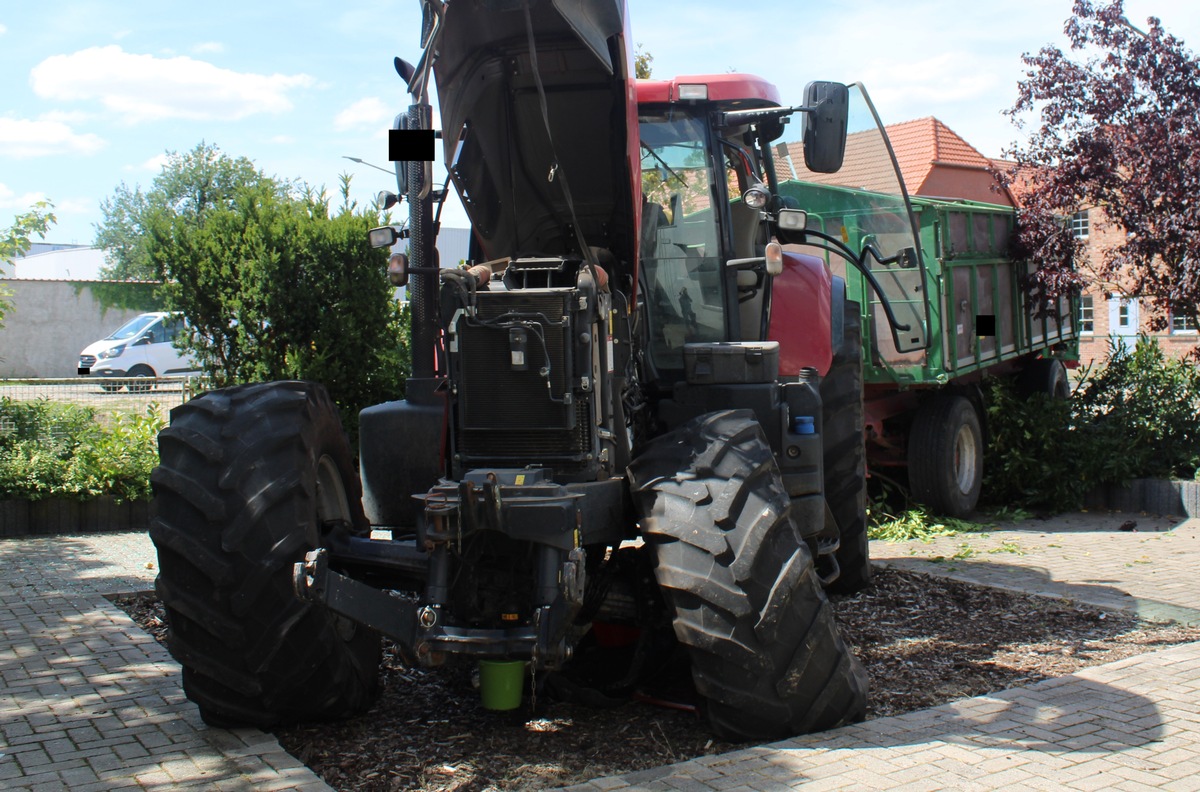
{"x":1135,"y":416}
{"x":49,"y":449}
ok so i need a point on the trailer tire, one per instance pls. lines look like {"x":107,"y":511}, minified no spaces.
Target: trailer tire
{"x":945,"y":455}
{"x":250,"y":478}
{"x":1045,"y":375}
{"x":739,"y":582}
{"x":845,"y":456}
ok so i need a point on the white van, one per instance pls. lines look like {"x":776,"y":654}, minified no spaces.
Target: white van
{"x":142,"y":347}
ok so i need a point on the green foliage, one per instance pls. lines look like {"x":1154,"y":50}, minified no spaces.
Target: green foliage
{"x":189,"y":185}
{"x":916,"y":523}
{"x":275,"y":286}
{"x":49,"y":449}
{"x":1031,"y":452}
{"x":642,"y":63}
{"x":893,"y":518}
{"x":16,"y":240}
{"x":1135,"y":417}
{"x":1145,"y":405}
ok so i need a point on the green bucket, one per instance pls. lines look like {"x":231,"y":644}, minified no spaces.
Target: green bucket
{"x":501,"y":683}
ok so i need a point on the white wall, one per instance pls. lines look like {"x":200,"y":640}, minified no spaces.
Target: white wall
{"x":48,"y":325}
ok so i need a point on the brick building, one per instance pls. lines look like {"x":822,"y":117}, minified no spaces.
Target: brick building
{"x":936,"y":162}
{"x":1106,"y":316}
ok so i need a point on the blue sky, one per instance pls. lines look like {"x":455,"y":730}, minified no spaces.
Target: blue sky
{"x":93,"y":93}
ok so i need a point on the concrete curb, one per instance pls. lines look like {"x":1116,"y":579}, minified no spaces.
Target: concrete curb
{"x":57,"y":516}
{"x":1156,"y":496}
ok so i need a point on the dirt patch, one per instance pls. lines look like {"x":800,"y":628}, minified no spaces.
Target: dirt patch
{"x":924,"y":640}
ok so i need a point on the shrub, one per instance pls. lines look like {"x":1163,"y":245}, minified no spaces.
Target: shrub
{"x":49,"y":449}
{"x":1134,"y":417}
{"x":1031,"y":451}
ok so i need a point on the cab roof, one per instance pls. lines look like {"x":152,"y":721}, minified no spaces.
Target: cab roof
{"x":731,"y":91}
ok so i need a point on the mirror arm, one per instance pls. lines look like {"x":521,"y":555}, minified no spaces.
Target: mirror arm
{"x":738,"y":117}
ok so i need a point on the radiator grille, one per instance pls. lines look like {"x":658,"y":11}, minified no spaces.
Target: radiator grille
{"x":508,"y":416}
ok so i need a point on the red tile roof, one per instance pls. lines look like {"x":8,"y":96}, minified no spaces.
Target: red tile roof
{"x":933,"y":160}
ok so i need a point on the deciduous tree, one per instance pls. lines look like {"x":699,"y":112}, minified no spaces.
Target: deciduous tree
{"x":16,"y":240}
{"x":1116,"y":125}
{"x":274,"y":283}
{"x":188,"y":185}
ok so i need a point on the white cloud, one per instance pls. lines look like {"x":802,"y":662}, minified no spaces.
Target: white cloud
{"x":148,"y":88}
{"x":282,"y":140}
{"x":67,"y":116}
{"x":370,"y":112}
{"x":3,"y":30}
{"x":154,"y":164}
{"x":208,"y":46}
{"x":10,"y":200}
{"x":22,"y":138}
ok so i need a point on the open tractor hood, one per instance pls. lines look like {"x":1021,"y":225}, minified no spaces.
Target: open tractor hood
{"x":526,"y":172}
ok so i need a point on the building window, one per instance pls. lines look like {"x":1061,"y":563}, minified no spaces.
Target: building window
{"x":1087,"y":315}
{"x":1182,"y":324}
{"x":1123,"y":316}
{"x":1079,"y":225}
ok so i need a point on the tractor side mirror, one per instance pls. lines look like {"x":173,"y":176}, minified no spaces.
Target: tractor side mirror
{"x":828,"y":109}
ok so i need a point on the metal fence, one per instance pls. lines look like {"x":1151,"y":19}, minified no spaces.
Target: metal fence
{"x":106,"y":397}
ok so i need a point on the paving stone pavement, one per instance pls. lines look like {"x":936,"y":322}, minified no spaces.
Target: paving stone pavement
{"x":88,"y":701}
{"x":1150,"y":570}
{"x":1129,"y":725}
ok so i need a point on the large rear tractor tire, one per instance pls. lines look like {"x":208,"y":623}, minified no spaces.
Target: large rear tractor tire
{"x":739,"y":581}
{"x":945,"y":455}
{"x":250,"y":478}
{"x":845,"y":456}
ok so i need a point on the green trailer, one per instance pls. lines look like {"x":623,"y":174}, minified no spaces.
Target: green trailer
{"x":961,"y":315}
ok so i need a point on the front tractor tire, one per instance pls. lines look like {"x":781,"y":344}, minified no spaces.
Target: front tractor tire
{"x":740,"y":584}
{"x":250,"y":478}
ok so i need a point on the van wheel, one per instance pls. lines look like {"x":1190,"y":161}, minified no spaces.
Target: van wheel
{"x":141,"y":372}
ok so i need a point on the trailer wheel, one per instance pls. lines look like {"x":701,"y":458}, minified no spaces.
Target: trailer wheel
{"x":1045,"y":375}
{"x":250,"y":478}
{"x":845,"y":460}
{"x":739,"y":582}
{"x":945,"y":455}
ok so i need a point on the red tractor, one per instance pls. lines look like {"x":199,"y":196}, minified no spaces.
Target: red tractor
{"x":634,"y":413}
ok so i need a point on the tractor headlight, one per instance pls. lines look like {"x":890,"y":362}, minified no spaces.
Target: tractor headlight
{"x":756,"y":196}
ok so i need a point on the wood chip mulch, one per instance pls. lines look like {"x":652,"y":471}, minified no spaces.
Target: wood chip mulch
{"x":924,"y":640}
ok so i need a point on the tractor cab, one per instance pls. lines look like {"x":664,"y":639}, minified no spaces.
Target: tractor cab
{"x":740,"y":193}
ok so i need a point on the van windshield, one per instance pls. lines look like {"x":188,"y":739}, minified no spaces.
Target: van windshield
{"x":132,"y":327}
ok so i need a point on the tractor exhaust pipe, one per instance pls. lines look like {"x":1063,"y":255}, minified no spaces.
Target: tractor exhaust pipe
{"x":423,"y":258}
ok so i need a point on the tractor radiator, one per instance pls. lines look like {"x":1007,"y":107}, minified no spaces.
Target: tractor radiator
{"x":515,"y":416}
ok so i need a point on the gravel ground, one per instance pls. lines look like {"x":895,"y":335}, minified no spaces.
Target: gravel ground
{"x":924,"y":640}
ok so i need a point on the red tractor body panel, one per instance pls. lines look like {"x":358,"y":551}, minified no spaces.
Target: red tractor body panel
{"x":734,"y":90}
{"x":801,"y":316}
